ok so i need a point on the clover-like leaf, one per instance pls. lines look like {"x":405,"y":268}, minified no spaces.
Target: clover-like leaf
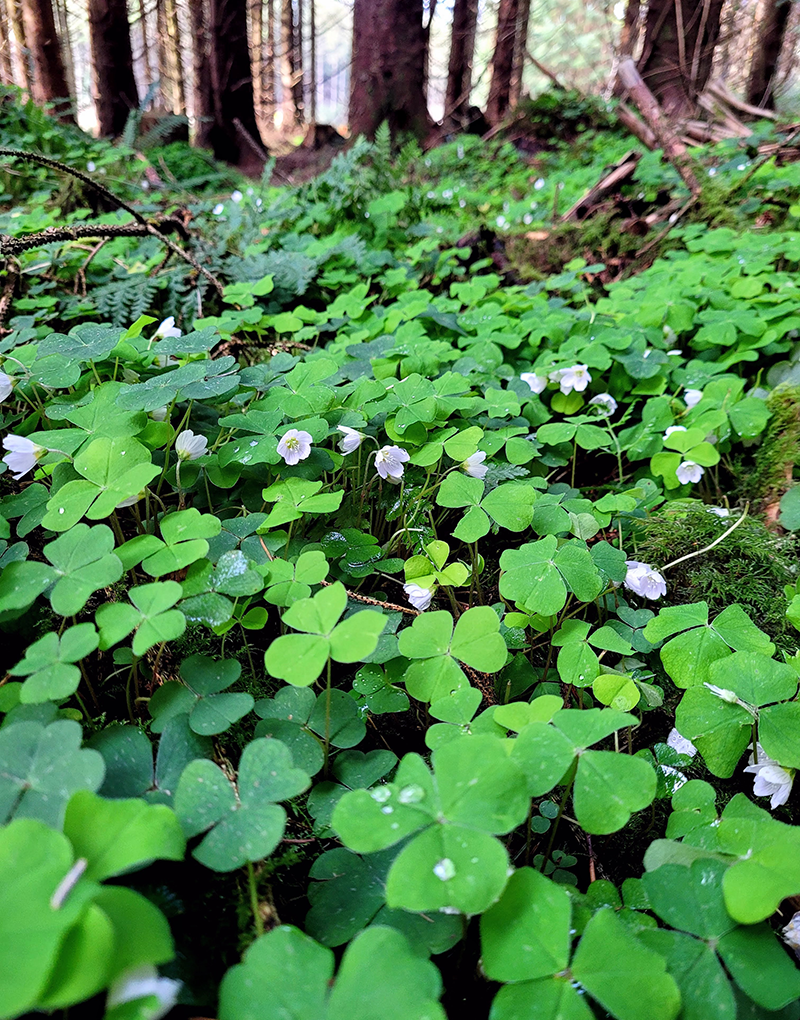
{"x":49,"y":664}
{"x":84,"y":561}
{"x":210,"y":711}
{"x":151,"y":616}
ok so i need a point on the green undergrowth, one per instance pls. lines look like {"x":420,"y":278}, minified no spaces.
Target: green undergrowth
{"x":382,"y":633}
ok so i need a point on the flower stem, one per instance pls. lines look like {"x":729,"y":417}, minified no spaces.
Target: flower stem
{"x":254,"y":906}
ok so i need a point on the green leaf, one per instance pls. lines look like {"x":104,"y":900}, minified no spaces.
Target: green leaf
{"x":356,"y":638}
{"x":755,"y":678}
{"x":84,"y":562}
{"x":48,"y":664}
{"x":547,"y":999}
{"x":22,"y":582}
{"x":41,"y":767}
{"x":703,"y":984}
{"x":760,"y":967}
{"x":477,"y":640}
{"x":690,"y":898}
{"x":118,"y":836}
{"x":628,"y":980}
{"x":526,"y":935}
{"x":778,"y":726}
{"x":609,"y":788}
{"x":719,"y":730}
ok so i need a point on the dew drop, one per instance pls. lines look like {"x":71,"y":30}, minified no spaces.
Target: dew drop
{"x":412,"y":794}
{"x":444,"y":869}
{"x":381,"y":794}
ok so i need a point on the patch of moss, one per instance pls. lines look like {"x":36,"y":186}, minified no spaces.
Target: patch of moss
{"x":780,"y":447}
{"x":749,"y":567}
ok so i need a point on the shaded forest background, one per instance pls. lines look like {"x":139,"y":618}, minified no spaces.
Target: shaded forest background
{"x":248,"y":77}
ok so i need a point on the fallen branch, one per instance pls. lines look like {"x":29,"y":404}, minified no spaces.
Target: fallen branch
{"x":609,"y":183}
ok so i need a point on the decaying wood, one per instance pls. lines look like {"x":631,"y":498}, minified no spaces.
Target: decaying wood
{"x":636,"y":126}
{"x":719,"y":90}
{"x":648,"y":106}
{"x":622,"y":170}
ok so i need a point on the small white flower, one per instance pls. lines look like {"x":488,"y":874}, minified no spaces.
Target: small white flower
{"x":138,"y":982}
{"x":474,"y":465}
{"x":352,"y":439}
{"x":771,"y":779}
{"x":724,"y":693}
{"x":167,"y":328}
{"x":188,"y":446}
{"x":218,"y":209}
{"x":576,"y":378}
{"x":692,"y":397}
{"x":22,"y":455}
{"x":90,"y":166}
{"x":674,"y":353}
{"x":295,"y":445}
{"x":6,"y":385}
{"x":537,"y":383}
{"x":389,"y":461}
{"x":674,"y":428}
{"x":419,"y":597}
{"x":159,"y":414}
{"x":236,"y":196}
{"x":688,"y":471}
{"x":791,"y":932}
{"x":606,"y":402}
{"x":538,"y":183}
{"x":643,"y":580}
{"x":681,"y":744}
{"x":718,"y":511}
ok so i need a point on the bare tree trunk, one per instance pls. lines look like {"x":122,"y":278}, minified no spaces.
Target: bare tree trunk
{"x":256,"y":8}
{"x":298,"y":77}
{"x":428,"y":23}
{"x":520,"y":50}
{"x":771,"y":32}
{"x":175,"y":57}
{"x":146,"y":55}
{"x":269,"y":64}
{"x":62,"y":30}
{"x":630,"y":30}
{"x":162,"y":41}
{"x":49,"y":81}
{"x":201,"y":68}
{"x":24,"y":54}
{"x":388,"y":68}
{"x":234,"y":134}
{"x":286,"y":60}
{"x":115,"y":86}
{"x":680,"y":36}
{"x":462,"y":51}
{"x":503,"y":61}
{"x":312,"y":70}
{"x":6,"y":70}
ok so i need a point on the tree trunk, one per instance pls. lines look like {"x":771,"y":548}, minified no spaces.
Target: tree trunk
{"x":269,"y":64}
{"x":165,"y":84}
{"x":680,"y":36}
{"x":499,"y":100}
{"x":520,"y":50}
{"x":257,"y":54}
{"x":23,"y":53}
{"x":62,"y":30}
{"x":146,"y":55}
{"x":203,"y":104}
{"x":234,"y":133}
{"x":6,"y":70}
{"x":462,"y":51}
{"x":428,"y":25}
{"x":290,"y":112}
{"x":312,"y":70}
{"x":771,"y":32}
{"x":388,"y":68}
{"x":298,"y":79}
{"x":630,"y":30}
{"x":49,"y":78}
{"x":114,"y":84}
{"x":175,"y":57}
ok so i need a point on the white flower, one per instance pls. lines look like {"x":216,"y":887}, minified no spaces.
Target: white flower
{"x":352,"y":439}
{"x":643,"y":580}
{"x":159,"y":414}
{"x":692,"y":397}
{"x":218,"y":209}
{"x":791,"y":932}
{"x":419,"y":597}
{"x":389,"y":461}
{"x":680,"y":744}
{"x":188,"y":446}
{"x":536,"y":382}
{"x":576,"y":378}
{"x":295,"y":445}
{"x":474,"y":465}
{"x":606,"y":402}
{"x":674,"y":428}
{"x":722,"y":692}
{"x":91,"y":166}
{"x":688,"y":471}
{"x":138,"y":982}
{"x":6,"y":385}
{"x":167,"y":328}
{"x":718,"y":511}
{"x":674,"y":352}
{"x":22,"y":455}
{"x":236,"y":196}
{"x":539,"y":183}
{"x":771,"y":779}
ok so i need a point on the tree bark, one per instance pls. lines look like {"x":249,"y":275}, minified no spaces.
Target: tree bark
{"x":520,"y":50}
{"x":462,"y":51}
{"x":499,"y":100}
{"x":23,"y":53}
{"x":290,"y":71}
{"x":146,"y":55}
{"x":388,"y":68}
{"x":234,"y":134}
{"x":771,"y":32}
{"x":201,"y":67}
{"x":312,"y":69}
{"x":257,"y":53}
{"x":6,"y":70}
{"x":62,"y":30}
{"x":114,"y":84}
{"x":298,"y":77}
{"x":269,"y":63}
{"x":175,"y":57}
{"x":680,"y":36}
{"x":630,"y":29}
{"x":49,"y":78}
